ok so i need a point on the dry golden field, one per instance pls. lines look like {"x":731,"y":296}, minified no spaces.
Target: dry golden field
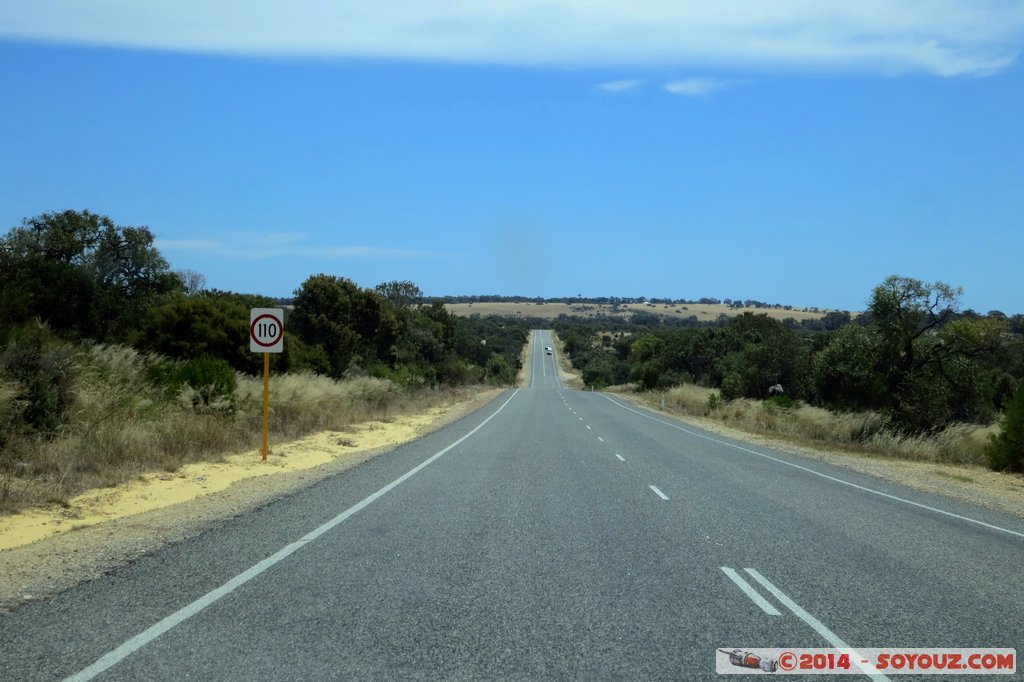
{"x":703,"y":311}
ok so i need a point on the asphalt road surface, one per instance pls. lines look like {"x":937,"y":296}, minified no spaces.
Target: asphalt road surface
{"x":554,"y":534}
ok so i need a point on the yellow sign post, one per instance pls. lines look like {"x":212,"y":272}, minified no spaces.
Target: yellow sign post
{"x":266,"y":405}
{"x":266,"y":335}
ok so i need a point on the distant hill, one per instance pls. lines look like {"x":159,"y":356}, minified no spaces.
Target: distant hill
{"x":703,"y":312}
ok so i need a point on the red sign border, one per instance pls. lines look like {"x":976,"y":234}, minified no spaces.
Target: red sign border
{"x":252,"y":333}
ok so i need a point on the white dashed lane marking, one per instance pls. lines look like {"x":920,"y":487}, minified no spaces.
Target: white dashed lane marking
{"x":658,"y":492}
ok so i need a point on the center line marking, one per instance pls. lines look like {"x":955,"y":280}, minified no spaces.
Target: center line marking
{"x":588,"y":426}
{"x":600,"y":439}
{"x":765,"y":605}
{"x":658,"y":492}
{"x":621,"y":458}
{"x":817,"y":626}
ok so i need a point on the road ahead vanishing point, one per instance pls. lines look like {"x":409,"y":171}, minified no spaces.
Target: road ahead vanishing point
{"x":555,"y":534}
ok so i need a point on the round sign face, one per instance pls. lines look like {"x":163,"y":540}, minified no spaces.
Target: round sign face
{"x":266,"y":331}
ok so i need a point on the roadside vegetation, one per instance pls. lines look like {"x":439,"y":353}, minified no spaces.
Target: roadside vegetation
{"x":913,"y":376}
{"x":112,"y":364}
{"x":803,"y":424}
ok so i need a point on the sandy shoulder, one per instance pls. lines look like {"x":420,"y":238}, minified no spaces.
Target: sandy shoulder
{"x":47,"y":550}
{"x":568,"y":377}
{"x":525,"y":374}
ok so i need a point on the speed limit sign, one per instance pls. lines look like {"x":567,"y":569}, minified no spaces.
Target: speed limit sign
{"x":266,"y":335}
{"x":266,"y":330}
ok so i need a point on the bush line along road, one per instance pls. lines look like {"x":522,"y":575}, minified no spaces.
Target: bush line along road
{"x":552,"y":534}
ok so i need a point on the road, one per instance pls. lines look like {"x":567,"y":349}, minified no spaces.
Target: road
{"x":554,"y":534}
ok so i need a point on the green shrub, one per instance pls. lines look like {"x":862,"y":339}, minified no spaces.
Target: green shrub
{"x":1006,"y":451}
{"x":781,"y":403}
{"x":205,"y":382}
{"x":412,"y":375}
{"x":41,"y":369}
{"x":499,"y":371}
{"x":732,"y":386}
{"x":454,"y":371}
{"x":301,"y":357}
{"x":10,"y":412}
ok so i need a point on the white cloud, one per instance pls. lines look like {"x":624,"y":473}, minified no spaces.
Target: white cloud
{"x":188,"y":244}
{"x":371,"y":252}
{"x":696,"y":87}
{"x":250,"y":247}
{"x":620,"y":86}
{"x":282,"y":237}
{"x":943,"y":37}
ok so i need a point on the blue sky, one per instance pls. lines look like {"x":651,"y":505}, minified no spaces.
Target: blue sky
{"x":787,"y":152}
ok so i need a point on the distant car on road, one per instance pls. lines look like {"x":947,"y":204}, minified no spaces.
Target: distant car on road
{"x":547,"y":349}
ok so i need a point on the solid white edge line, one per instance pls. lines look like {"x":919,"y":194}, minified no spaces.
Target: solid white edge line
{"x":140,"y":640}
{"x":818,"y":626}
{"x":538,"y":338}
{"x":754,"y":595}
{"x":621,"y":458}
{"x":658,"y":492}
{"x":818,"y":473}
{"x":554,"y":363}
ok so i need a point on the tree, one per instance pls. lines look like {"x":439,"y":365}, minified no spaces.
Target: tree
{"x":646,"y":355}
{"x":82,"y":274}
{"x":1006,"y":450}
{"x":499,"y":370}
{"x":193,"y":282}
{"x":925,"y":354}
{"x":203,"y":326}
{"x":759,"y":352}
{"x":642,"y":318}
{"x":844,"y":374}
{"x":428,"y":333}
{"x":353,"y":326}
{"x":401,"y":294}
{"x":835,"y":320}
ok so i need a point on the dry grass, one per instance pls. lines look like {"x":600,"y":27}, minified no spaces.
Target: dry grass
{"x":525,"y":372}
{"x":859,"y":432}
{"x":704,"y":312}
{"x":570,"y":379}
{"x":304,"y":403}
{"x":121,"y":425}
